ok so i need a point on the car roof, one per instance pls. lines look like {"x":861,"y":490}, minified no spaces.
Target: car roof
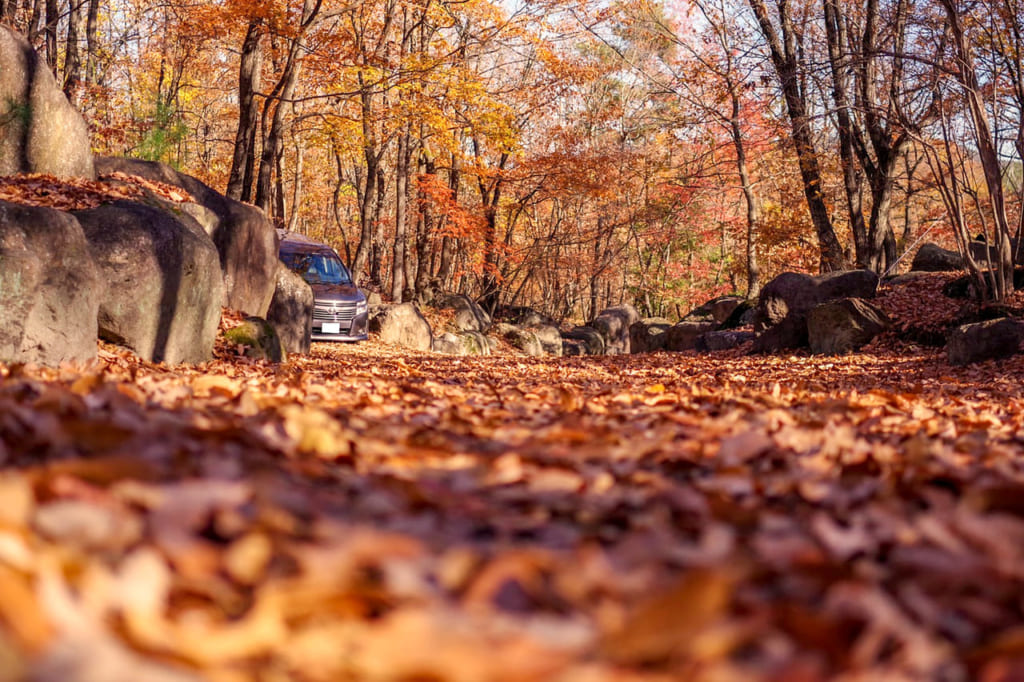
{"x":293,"y":242}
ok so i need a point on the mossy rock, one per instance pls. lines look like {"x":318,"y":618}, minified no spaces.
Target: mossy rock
{"x":259,"y":338}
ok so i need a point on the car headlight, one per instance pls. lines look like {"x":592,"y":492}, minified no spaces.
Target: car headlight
{"x":361,"y":306}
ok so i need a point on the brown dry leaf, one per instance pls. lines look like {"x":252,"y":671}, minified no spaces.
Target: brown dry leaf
{"x":664,"y":626}
{"x":20,"y":612}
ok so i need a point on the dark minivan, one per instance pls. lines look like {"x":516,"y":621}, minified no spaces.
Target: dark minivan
{"x":339,"y":308}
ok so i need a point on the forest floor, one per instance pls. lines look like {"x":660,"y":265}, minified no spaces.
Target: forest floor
{"x":372,"y":514}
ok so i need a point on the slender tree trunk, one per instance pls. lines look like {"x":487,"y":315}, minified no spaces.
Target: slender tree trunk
{"x":50,"y":31}
{"x":786,"y":61}
{"x":37,"y":16}
{"x":293,"y":215}
{"x":401,"y":198}
{"x":377,"y":262}
{"x":425,"y":228}
{"x":449,"y":244}
{"x":282,"y":94}
{"x":72,"y":55}
{"x":273,"y":146}
{"x":369,"y":188}
{"x":853,"y":181}
{"x":749,"y":194}
{"x":243,"y":162}
{"x":91,"y":43}
{"x":966,"y":74}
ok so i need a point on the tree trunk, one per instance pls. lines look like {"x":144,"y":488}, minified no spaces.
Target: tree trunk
{"x":369,"y":189}
{"x":72,"y":55}
{"x":785,"y":59}
{"x":853,"y":180}
{"x":293,"y":215}
{"x":283,"y":93}
{"x":50,"y":31}
{"x":273,"y":145}
{"x":425,"y":228}
{"x":1002,"y":274}
{"x":91,"y":44}
{"x":243,"y":162}
{"x":449,"y":244}
{"x":749,"y":194}
{"x":401,"y":198}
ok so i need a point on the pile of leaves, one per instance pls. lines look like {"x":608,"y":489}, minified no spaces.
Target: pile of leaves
{"x":79,"y":194}
{"x":365,"y":513}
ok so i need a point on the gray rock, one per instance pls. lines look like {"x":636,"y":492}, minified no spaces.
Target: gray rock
{"x":550,"y":338}
{"x":718,"y":309}
{"x":469,"y":316}
{"x":260,"y":339}
{"x":521,"y":339}
{"x":839,"y":327}
{"x":741,"y":316}
{"x":933,"y":258}
{"x":583,"y":341}
{"x":846,"y":284}
{"x":164,"y":289}
{"x":648,"y":335}
{"x":985,"y":341}
{"x":780,"y":319}
{"x":448,"y":343}
{"x":291,"y":311}
{"x":401,"y":324}
{"x":40,"y":132}
{"x":474,"y":343}
{"x":683,"y":336}
{"x":245,"y":239}
{"x":613,"y":325}
{"x":50,"y":288}
{"x":723,"y":340}
{"x":527,"y":317}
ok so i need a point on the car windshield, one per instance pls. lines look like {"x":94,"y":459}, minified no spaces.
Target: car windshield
{"x":318,"y":268}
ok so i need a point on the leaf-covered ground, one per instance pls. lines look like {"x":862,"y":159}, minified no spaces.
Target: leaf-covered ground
{"x":366,"y":513}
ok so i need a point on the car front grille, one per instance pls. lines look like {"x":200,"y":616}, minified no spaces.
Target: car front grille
{"x":334,"y":312}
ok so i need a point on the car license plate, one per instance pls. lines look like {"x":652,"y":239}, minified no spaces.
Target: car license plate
{"x":331,"y":328}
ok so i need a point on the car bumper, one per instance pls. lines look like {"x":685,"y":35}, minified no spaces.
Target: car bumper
{"x":356,"y":331}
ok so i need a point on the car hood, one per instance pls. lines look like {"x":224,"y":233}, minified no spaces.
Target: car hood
{"x":337,"y":292}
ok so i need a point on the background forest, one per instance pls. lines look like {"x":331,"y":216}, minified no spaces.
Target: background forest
{"x":568,"y":154}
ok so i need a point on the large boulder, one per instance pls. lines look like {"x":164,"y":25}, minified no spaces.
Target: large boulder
{"x":40,"y":132}
{"x":723,"y":339}
{"x":780,"y":319}
{"x":291,"y":311}
{"x":462,"y":343}
{"x":550,"y":338}
{"x":718,"y":309}
{"x":525,"y":317}
{"x":583,"y":341}
{"x":683,"y":336}
{"x":49,"y":287}
{"x":933,"y":258}
{"x":839,"y":327}
{"x":245,"y":239}
{"x":468,"y":315}
{"x":401,"y":324}
{"x":988,"y":340}
{"x":164,"y":288}
{"x":259,"y":338}
{"x":524,"y":340}
{"x":741,"y":316}
{"x":613,"y":325}
{"x":648,"y":335}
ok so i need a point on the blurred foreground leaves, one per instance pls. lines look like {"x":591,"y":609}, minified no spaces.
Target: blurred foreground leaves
{"x":364,"y":514}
